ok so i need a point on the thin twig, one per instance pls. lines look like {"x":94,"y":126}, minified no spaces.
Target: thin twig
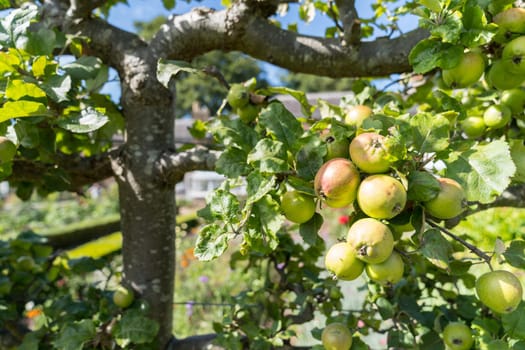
{"x":471,"y":247}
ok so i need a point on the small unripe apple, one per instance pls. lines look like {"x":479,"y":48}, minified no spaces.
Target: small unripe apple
{"x":370,"y":153}
{"x":513,"y":56}
{"x":123,"y":297}
{"x":357,"y":114}
{"x":341,"y":259}
{"x":336,"y":336}
{"x":297,"y":207}
{"x":449,"y":202}
{"x":238,"y":96}
{"x":497,"y":116}
{"x":387,"y":272}
{"x":371,"y":239}
{"x":511,"y":20}
{"x":499,"y":290}
{"x":515,"y":100}
{"x":468,"y":71}
{"x":458,"y":336}
{"x":473,"y":126}
{"x":381,"y":196}
{"x":500,"y":78}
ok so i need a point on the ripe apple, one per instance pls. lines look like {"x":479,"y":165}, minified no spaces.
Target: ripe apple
{"x":357,"y":114}
{"x":341,"y":259}
{"x":387,"y":272}
{"x":468,"y":71}
{"x":372,"y":240}
{"x":515,"y":100}
{"x":336,"y":336}
{"x":381,"y":196}
{"x":449,"y":202}
{"x":336,"y":182}
{"x":123,"y":297}
{"x":458,"y":336}
{"x":369,"y":152}
{"x":7,"y":150}
{"x":499,"y":290}
{"x":336,"y":147}
{"x":513,"y":56}
{"x":297,"y":207}
{"x":473,"y":126}
{"x":238,"y":96}
{"x":511,"y":20}
{"x":500,"y":78}
{"x":497,"y":116}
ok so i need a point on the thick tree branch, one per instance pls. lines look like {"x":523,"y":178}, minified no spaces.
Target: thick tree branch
{"x":80,"y":171}
{"x":350,"y":19}
{"x":202,"y":30}
{"x":171,"y":167}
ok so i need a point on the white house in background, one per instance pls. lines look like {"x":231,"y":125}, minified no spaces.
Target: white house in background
{"x":197,"y":184}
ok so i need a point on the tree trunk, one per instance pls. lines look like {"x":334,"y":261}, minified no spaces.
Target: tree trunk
{"x":147,"y":206}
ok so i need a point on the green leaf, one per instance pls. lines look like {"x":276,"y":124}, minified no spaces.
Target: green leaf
{"x":436,"y":248}
{"x":515,"y":254}
{"x":269,"y":156}
{"x":310,"y":157}
{"x":224,"y":205}
{"x":74,"y":336}
{"x":282,"y":124}
{"x":233,"y":132}
{"x":135,"y":328}
{"x":310,"y":230}
{"x":57,"y":87}
{"x":263,"y":224}
{"x":430,"y":132}
{"x":167,"y":69}
{"x":385,"y":308}
{"x":88,"y":120}
{"x":19,"y":89}
{"x":300,"y":96}
{"x":232,"y":163}
{"x":422,"y":186}
{"x":168,"y":4}
{"x":21,"y":108}
{"x":449,"y":29}
{"x":14,"y":26}
{"x":41,"y":42}
{"x":258,"y":185}
{"x":212,"y":242}
{"x":514,"y":322}
{"x":517,"y":152}
{"x":86,"y":67}
{"x":430,"y":53}
{"x":484,"y":170}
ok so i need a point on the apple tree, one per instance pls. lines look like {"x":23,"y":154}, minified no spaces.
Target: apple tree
{"x":440,"y":141}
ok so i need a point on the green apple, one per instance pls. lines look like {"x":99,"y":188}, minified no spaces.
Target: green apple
{"x":468,"y":71}
{"x":515,"y":100}
{"x":336,"y":182}
{"x":497,"y":116}
{"x":387,"y":272}
{"x":336,"y":336}
{"x":381,"y":196}
{"x":341,"y":259}
{"x":458,"y":336}
{"x":449,"y":202}
{"x":499,"y":290}
{"x":297,"y":207}
{"x":7,"y":150}
{"x":511,"y":20}
{"x":238,"y":96}
{"x":357,"y":114}
{"x":513,"y":56}
{"x":473,"y":126}
{"x":123,"y":297}
{"x":248,"y":112}
{"x":372,"y":240}
{"x":370,"y":153}
{"x":336,"y":147}
{"x":500,"y":78}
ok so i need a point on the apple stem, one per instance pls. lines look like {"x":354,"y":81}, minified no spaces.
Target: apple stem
{"x":471,"y":247}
